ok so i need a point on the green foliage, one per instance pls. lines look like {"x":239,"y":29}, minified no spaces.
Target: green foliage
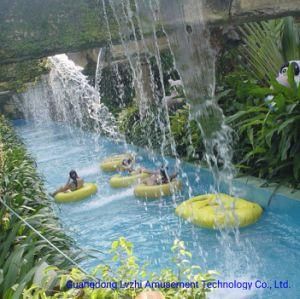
{"x":116,"y":87}
{"x":269,"y":144}
{"x":125,"y":267}
{"x":262,"y":48}
{"x":21,"y":250}
{"x":14,"y":77}
{"x":186,"y":134}
{"x":267,"y":45}
{"x":267,"y":137}
{"x":148,"y":131}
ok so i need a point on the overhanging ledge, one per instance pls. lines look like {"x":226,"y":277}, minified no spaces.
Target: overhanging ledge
{"x":31,"y":29}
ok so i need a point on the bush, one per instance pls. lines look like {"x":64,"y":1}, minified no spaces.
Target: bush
{"x":267,"y":143}
{"x":269,"y":137}
{"x":124,"y":267}
{"x":187,"y":135}
{"x":147,"y":132}
{"x":21,"y":249}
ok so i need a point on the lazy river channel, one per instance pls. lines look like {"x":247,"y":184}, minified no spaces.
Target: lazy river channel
{"x":268,"y":250}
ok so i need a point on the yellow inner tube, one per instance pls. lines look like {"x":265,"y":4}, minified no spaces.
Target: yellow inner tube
{"x":219,"y":211}
{"x":157,"y":191}
{"x":121,"y":181}
{"x":87,"y":190}
{"x":114,"y":162}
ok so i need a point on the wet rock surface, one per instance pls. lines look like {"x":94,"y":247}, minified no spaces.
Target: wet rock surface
{"x":32,"y":29}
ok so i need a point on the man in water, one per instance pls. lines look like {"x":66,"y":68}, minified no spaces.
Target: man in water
{"x":74,"y":183}
{"x":160,"y":177}
{"x":128,"y":165}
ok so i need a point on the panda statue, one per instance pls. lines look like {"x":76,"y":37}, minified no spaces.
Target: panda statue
{"x":282,"y":79}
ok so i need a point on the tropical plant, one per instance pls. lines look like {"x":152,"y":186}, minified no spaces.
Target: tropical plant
{"x":186,"y":134}
{"x":125,"y":268}
{"x":266,"y":143}
{"x":267,"y":45}
{"x":148,"y":131}
{"x":22,"y":251}
{"x":270,"y":133}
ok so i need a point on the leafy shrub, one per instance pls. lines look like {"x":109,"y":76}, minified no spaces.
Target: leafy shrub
{"x":148,"y":131}
{"x":186,"y":134}
{"x":21,"y":249}
{"x":124,"y":267}
{"x":270,"y":137}
{"x":267,"y":140}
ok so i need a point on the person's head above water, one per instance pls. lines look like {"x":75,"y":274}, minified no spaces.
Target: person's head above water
{"x":163,"y":171}
{"x":127,"y":162}
{"x":73,"y":175}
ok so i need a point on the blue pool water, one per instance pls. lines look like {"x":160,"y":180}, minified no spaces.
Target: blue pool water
{"x":268,"y":250}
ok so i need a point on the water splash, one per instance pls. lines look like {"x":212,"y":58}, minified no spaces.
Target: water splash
{"x":107,"y":200}
{"x":65,"y":95}
{"x":195,"y":61}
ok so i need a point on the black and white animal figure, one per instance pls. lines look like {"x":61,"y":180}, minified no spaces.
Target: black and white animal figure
{"x":282,"y":77}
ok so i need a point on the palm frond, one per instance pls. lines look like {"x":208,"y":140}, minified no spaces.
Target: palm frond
{"x":262,"y":48}
{"x":290,"y":39}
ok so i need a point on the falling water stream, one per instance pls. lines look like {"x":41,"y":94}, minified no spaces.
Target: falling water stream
{"x":65,"y":95}
{"x":195,"y":61}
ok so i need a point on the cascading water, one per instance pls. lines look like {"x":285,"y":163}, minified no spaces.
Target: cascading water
{"x":150,"y":92}
{"x":66,"y":96}
{"x":149,"y":96}
{"x":195,"y":61}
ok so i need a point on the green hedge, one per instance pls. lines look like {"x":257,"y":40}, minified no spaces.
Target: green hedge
{"x":21,"y":188}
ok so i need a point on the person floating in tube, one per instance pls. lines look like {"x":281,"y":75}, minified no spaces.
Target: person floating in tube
{"x":160,"y":177}
{"x":74,"y":183}
{"x":128,"y":165}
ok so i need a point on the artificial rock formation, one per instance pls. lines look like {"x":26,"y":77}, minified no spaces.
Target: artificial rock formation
{"x":31,"y":29}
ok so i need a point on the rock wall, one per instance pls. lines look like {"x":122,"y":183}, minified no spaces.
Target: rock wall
{"x":31,"y":29}
{"x":250,"y":10}
{"x":39,"y":28}
{"x":13,"y":77}
{"x":8,"y":107}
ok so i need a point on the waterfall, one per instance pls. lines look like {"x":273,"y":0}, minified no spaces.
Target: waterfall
{"x":188,"y":38}
{"x":195,"y":61}
{"x":65,"y":95}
